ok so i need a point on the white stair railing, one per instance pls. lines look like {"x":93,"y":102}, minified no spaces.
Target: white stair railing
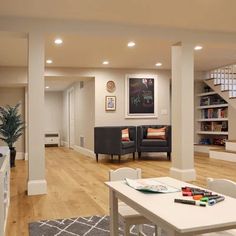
{"x":226,"y":78}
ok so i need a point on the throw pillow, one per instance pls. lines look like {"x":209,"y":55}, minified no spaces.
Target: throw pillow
{"x":125,"y":135}
{"x":156,"y":133}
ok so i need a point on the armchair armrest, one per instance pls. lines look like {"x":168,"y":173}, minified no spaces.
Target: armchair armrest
{"x":168,"y":135}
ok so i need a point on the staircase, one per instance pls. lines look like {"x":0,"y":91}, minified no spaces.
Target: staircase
{"x":223,"y":81}
{"x":227,"y":154}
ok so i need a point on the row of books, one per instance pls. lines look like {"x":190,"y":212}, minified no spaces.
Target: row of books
{"x":214,"y":113}
{"x":213,"y":141}
{"x":211,"y":100}
{"x":214,"y":126}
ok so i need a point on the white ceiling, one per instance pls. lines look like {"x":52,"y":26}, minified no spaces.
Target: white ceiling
{"x":210,"y":15}
{"x":84,"y":50}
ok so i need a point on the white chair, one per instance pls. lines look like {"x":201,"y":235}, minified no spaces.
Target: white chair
{"x":226,"y":187}
{"x":223,"y":186}
{"x":127,"y":214}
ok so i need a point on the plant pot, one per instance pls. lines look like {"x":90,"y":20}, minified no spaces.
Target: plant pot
{"x":12,"y":156}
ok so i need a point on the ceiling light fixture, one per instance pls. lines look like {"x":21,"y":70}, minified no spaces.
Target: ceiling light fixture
{"x":105,"y":63}
{"x":131,"y":44}
{"x":198,"y":47}
{"x":49,"y":61}
{"x":58,"y":41}
{"x":47,"y":87}
{"x":158,"y":64}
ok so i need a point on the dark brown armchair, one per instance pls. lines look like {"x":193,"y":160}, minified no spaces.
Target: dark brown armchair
{"x":153,"y":145}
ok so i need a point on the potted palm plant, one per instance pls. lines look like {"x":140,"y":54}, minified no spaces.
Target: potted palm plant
{"x":11,"y":128}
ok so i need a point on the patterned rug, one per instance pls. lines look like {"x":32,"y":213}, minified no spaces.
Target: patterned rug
{"x":81,"y":226}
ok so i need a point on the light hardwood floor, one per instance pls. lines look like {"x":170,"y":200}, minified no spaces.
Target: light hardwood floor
{"x":76,"y":185}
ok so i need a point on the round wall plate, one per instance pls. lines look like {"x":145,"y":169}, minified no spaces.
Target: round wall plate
{"x":111,"y":87}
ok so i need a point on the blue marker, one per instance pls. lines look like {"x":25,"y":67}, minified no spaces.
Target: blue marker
{"x":212,"y":202}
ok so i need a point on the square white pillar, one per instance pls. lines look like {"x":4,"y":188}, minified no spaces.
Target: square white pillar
{"x":183,"y":112}
{"x":36,"y":182}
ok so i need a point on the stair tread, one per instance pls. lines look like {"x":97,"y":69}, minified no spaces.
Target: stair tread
{"x":222,"y":150}
{"x":231,"y":141}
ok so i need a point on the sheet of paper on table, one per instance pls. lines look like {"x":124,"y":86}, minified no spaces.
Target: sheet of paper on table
{"x":150,"y":185}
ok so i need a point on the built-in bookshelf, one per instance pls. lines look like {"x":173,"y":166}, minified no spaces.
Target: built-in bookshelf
{"x":212,"y":127}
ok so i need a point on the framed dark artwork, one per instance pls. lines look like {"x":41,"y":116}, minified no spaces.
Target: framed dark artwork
{"x":141,"y":96}
{"x":110,"y":103}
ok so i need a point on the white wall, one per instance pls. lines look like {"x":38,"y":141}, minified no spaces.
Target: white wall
{"x":103,"y":117}
{"x":53,"y":111}
{"x":90,"y":102}
{"x":85,"y":113}
{"x":11,"y":96}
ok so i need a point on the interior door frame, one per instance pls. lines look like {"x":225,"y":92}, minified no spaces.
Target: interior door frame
{"x":71,"y":94}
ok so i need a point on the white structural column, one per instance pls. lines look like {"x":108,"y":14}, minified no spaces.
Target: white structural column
{"x":36,"y":182}
{"x":183,"y":112}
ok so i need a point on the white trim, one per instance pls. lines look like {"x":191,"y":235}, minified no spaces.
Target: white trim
{"x":20,"y":156}
{"x":84,"y":151}
{"x":64,"y":143}
{"x":140,"y":76}
{"x":26,"y":156}
{"x":37,"y":187}
{"x":184,"y":175}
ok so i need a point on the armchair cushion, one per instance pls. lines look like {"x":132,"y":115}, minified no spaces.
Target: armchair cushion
{"x":128,"y":144}
{"x":154,"y":143}
{"x":125,"y":135}
{"x":156,"y":133}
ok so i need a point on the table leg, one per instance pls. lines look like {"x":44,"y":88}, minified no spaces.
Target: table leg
{"x":113,"y":213}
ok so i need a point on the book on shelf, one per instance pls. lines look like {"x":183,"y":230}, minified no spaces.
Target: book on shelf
{"x":150,"y":185}
{"x":214,"y":113}
{"x":211,"y":100}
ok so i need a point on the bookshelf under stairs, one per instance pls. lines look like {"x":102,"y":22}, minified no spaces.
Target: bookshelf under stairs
{"x":212,"y":121}
{"x":227,"y":154}
{"x":219,"y":93}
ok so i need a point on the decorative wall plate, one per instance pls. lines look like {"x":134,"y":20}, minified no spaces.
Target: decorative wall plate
{"x":111,"y":87}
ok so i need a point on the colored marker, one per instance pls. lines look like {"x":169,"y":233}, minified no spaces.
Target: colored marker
{"x":190,"y":202}
{"x":206,"y":199}
{"x":187,"y":194}
{"x":212,"y":202}
{"x":197,"y":197}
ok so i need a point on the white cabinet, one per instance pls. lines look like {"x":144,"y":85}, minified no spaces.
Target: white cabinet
{"x":4,"y":188}
{"x":52,"y":138}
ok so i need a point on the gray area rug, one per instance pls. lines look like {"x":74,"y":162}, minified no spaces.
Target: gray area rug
{"x":81,"y":226}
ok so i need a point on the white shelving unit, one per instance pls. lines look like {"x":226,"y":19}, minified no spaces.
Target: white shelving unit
{"x":212,"y":118}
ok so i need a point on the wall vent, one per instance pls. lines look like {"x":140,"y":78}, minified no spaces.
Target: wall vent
{"x":81,"y":141}
{"x":81,"y":84}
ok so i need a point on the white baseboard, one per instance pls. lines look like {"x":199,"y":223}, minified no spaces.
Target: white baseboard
{"x":26,"y":156}
{"x":20,"y":156}
{"x":185,"y":175}
{"x":64,"y":143}
{"x":37,"y":187}
{"x":84,"y":151}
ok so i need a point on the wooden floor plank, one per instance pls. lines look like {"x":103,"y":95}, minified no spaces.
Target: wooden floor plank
{"x":76,"y":185}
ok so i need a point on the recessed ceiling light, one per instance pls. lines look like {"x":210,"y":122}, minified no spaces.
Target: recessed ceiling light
{"x":58,"y":41}
{"x":198,"y":47}
{"x":105,"y":63}
{"x":49,"y":61}
{"x":131,"y":44}
{"x":158,"y":64}
{"x":47,"y":87}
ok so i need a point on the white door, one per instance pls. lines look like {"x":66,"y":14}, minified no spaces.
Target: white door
{"x":71,"y":118}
